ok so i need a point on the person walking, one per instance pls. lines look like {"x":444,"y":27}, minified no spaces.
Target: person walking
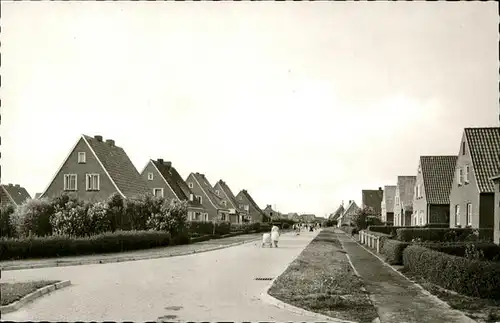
{"x":275,"y":235}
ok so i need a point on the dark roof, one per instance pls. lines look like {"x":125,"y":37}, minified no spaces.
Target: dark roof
{"x":175,"y":181}
{"x":119,"y":167}
{"x":406,"y":185}
{"x":484,"y":147}
{"x":229,"y":193}
{"x":338,"y":212}
{"x":17,"y":193}
{"x":251,"y":200}
{"x":205,"y":184}
{"x":437,"y":173}
{"x":389,"y":194}
{"x":352,"y":206}
{"x":373,"y":199}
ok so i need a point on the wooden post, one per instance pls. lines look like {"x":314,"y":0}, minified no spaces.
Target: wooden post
{"x":378,"y":244}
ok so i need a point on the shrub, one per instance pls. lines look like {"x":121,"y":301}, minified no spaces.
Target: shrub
{"x":443,"y":234}
{"x":72,"y":220}
{"x":33,"y":217}
{"x":331,"y":223}
{"x":486,"y":250}
{"x":59,"y":246}
{"x":393,"y":250}
{"x":115,"y":211}
{"x":360,"y":218}
{"x":468,"y":277}
{"x":6,"y":227}
{"x":97,"y":214}
{"x":171,"y":217}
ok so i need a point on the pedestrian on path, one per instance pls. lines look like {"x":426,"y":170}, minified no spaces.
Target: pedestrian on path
{"x":275,"y":235}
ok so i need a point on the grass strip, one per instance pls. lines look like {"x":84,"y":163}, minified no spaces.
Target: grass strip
{"x":12,"y":292}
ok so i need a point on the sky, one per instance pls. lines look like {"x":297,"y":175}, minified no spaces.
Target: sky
{"x":304,"y":104}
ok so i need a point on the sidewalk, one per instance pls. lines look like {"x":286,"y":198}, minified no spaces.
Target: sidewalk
{"x":154,"y":253}
{"x":396,"y":299}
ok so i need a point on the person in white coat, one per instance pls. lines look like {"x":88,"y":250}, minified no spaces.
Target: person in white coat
{"x":275,"y":235}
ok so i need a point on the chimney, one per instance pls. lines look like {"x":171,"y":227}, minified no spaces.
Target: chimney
{"x":17,"y":185}
{"x":349,"y":201}
{"x":168,"y":164}
{"x":10,"y":184}
{"x":110,"y":142}
{"x":380,"y":188}
{"x":191,"y":197}
{"x":160,"y":161}
{"x":98,"y":138}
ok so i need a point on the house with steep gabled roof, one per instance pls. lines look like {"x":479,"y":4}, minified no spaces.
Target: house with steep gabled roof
{"x":236,"y":214}
{"x":346,"y":217}
{"x":372,"y":199}
{"x":255,"y":213}
{"x":13,"y":194}
{"x":94,"y":170}
{"x":215,"y":209}
{"x":403,"y":200}
{"x":496,"y":230}
{"x":272,"y":214}
{"x":472,"y":194}
{"x":335,"y":215}
{"x":163,"y":180}
{"x":431,"y":198}
{"x":387,"y":204}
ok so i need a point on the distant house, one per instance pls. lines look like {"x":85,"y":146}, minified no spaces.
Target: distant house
{"x":496,"y":181}
{"x":292,"y":216}
{"x":431,"y":198}
{"x":346,"y":217}
{"x":403,"y":200}
{"x":163,"y":180}
{"x":272,"y":214}
{"x":387,"y":204}
{"x":206,"y":196}
{"x":373,"y":199}
{"x":94,"y":170}
{"x":236,"y":213}
{"x":472,"y":198}
{"x":13,"y":194}
{"x":338,"y":212}
{"x":255,"y":213}
{"x":308,"y":217}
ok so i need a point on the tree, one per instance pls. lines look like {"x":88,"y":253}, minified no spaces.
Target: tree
{"x":359,"y":219}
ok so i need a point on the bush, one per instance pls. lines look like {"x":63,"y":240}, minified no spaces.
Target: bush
{"x":72,"y":220}
{"x":115,"y":211}
{"x":33,"y":217}
{"x":99,"y":218}
{"x":468,"y":277}
{"x":59,"y":246}
{"x":361,"y":218}
{"x":331,"y":223}
{"x":6,"y":227}
{"x":489,"y":251}
{"x":443,"y":234}
{"x":172,"y":218}
{"x":393,"y":250}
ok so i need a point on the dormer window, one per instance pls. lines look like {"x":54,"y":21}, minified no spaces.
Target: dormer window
{"x":190,"y":185}
{"x":217,"y":192}
{"x":82,"y":158}
{"x":150,"y":176}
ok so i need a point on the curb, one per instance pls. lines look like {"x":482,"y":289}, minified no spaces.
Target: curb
{"x":32,"y":296}
{"x":423,"y":290}
{"x":265,"y":297}
{"x":120,"y":259}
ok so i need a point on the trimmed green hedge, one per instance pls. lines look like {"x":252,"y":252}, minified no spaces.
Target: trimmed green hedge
{"x":442,"y":234}
{"x":468,"y":277}
{"x":391,"y":230}
{"x":350,"y":230}
{"x":60,"y":246}
{"x":490,"y":251}
{"x":393,"y":251}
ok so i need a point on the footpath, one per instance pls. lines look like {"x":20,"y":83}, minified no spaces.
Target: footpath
{"x":396,"y":298}
{"x":162,"y":252}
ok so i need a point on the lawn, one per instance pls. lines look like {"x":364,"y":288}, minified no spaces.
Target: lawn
{"x":321,"y":280}
{"x":12,"y":292}
{"x":479,"y":309}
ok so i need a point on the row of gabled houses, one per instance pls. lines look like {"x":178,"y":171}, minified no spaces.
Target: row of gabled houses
{"x":95,"y":169}
{"x":461,"y":190}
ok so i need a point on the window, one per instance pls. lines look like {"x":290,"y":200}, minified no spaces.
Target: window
{"x":92,"y":182}
{"x":205,"y":216}
{"x":247,"y":207}
{"x":466,"y":176}
{"x":224,"y":203}
{"x":223,"y":217}
{"x":82,"y":159}
{"x":421,"y":217}
{"x":459,"y":176}
{"x":457,"y":215}
{"x":217,"y":192}
{"x":190,"y":185}
{"x":463,"y":148}
{"x":150,"y":176}
{"x":158,"y":192}
{"x":199,"y":199}
{"x":197,"y":216}
{"x":469,"y":213}
{"x":397,"y":200}
{"x":70,"y":182}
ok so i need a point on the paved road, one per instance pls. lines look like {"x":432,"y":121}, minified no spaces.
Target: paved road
{"x":217,"y":285}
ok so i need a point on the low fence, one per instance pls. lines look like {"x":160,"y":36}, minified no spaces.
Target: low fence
{"x":371,"y":239}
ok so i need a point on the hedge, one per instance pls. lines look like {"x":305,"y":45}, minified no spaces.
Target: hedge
{"x":393,"y":251}
{"x":467,"y":277}
{"x":490,"y":251}
{"x":60,"y":246}
{"x":391,"y":230}
{"x":442,"y":234}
